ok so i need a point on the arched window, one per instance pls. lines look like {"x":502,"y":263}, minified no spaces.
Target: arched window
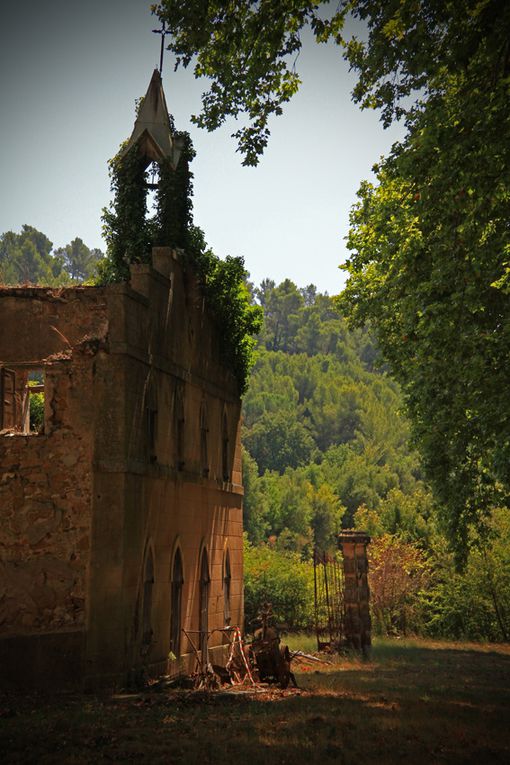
{"x":205,"y":581}
{"x":227,"y":581}
{"x":204,"y":436}
{"x":225,"y":467}
{"x":176,"y":604}
{"x":179,"y":425}
{"x":151,"y":424}
{"x":148,"y":584}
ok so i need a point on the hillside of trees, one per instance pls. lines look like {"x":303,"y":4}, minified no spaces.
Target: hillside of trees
{"x":326,"y":446}
{"x":323,"y":432}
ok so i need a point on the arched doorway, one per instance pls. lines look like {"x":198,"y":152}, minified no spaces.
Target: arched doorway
{"x":148,"y":585}
{"x":176,"y":604}
{"x":205,"y":582}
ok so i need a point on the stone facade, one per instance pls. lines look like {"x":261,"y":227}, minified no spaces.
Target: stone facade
{"x":121,"y":518}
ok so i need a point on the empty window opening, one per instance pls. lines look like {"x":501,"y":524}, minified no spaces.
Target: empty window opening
{"x":152,"y":423}
{"x":204,"y":437}
{"x":227,"y":581}
{"x":176,"y":604}
{"x":33,"y":404}
{"x":179,"y":426}
{"x":148,"y":585}
{"x":22,"y":394}
{"x":153,"y":177}
{"x":205,"y":581}
{"x":225,"y":467}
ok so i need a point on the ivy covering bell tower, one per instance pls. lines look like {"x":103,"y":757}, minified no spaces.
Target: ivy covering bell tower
{"x":154,"y":151}
{"x":156,"y":159}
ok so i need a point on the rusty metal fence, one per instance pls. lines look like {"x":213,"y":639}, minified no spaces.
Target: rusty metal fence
{"x":329,"y":598}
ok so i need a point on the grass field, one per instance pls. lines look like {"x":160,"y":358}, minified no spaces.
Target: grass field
{"x":414,"y":702}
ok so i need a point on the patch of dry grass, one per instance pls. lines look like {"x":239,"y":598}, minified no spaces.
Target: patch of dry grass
{"x":415,"y":701}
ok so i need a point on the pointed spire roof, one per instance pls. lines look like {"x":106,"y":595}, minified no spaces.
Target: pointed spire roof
{"x":152,"y":131}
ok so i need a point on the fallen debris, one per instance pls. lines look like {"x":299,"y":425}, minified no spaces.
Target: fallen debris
{"x":300,"y":656}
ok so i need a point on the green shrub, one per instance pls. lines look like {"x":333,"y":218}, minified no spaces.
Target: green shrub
{"x":282,"y":579}
{"x":36,"y":411}
{"x":474,"y":603}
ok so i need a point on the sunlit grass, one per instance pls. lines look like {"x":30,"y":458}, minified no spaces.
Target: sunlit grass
{"x":300,"y":641}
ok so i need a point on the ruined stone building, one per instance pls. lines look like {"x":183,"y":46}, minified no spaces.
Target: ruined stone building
{"x":120,"y":513}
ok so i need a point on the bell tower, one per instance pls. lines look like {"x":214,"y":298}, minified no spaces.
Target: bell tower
{"x":152,"y":132}
{"x":155,"y":158}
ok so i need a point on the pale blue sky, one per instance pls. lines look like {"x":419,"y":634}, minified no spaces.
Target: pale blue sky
{"x":70,"y":72}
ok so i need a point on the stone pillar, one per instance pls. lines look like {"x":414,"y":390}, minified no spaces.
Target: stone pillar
{"x":356,"y":593}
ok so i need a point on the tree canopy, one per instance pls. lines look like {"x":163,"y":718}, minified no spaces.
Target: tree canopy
{"x":430,"y":247}
{"x":430,"y":241}
{"x":29,"y":258}
{"x":248,"y":51}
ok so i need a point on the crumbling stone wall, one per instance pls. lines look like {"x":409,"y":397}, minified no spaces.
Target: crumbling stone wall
{"x":106,"y":486}
{"x":46,"y":478}
{"x":44,"y":537}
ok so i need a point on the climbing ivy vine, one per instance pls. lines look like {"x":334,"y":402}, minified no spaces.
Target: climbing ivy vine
{"x":130,"y":235}
{"x":125,"y":225}
{"x":174,"y":208}
{"x":224,"y":286}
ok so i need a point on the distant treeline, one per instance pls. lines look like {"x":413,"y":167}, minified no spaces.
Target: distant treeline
{"x":30,"y":258}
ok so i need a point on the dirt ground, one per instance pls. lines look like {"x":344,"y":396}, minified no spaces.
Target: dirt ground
{"x":414,"y":702}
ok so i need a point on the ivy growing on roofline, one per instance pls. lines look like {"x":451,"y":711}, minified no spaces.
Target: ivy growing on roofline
{"x":130,"y":235}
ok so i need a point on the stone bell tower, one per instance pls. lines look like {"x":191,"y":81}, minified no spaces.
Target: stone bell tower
{"x":152,"y":132}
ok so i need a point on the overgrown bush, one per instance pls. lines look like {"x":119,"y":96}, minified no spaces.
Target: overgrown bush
{"x":398,"y":574}
{"x":474,"y":603}
{"x":36,"y":411}
{"x":281,"y":579}
{"x":413,"y":591}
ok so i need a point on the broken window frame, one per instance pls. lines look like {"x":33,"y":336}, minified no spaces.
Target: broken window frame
{"x":6,"y":372}
{"x":20,"y":402}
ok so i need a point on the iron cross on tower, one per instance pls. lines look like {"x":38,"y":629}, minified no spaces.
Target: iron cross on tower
{"x":163,"y":31}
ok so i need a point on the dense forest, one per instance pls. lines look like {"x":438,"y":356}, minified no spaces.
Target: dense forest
{"x":326,"y":446}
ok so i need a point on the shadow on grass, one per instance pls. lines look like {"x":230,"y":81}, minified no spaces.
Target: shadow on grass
{"x":410,"y":703}
{"x":480,"y":677}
